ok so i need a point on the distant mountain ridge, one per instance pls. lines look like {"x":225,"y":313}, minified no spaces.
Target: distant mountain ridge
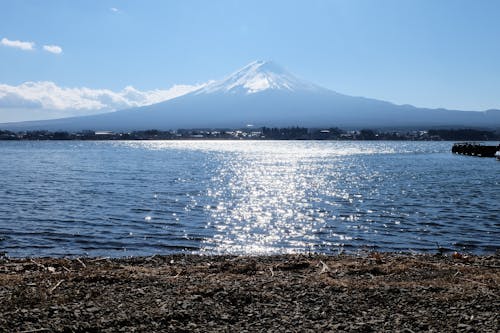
{"x":265,"y":94}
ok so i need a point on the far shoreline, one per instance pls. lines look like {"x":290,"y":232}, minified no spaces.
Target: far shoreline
{"x":258,"y":134}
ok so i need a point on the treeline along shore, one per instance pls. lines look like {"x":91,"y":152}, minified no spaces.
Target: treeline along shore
{"x":263,"y":133}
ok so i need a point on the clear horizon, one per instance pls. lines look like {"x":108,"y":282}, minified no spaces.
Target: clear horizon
{"x":112,"y":54}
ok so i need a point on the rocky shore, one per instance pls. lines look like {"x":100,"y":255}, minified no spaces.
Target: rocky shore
{"x":375,"y":292}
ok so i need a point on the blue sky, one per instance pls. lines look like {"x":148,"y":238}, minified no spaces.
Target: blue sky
{"x":423,"y":52}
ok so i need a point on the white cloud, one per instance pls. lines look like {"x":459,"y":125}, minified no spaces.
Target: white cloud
{"x":11,"y":100}
{"x":26,"y":46}
{"x":50,"y":100}
{"x":52,"y":49}
{"x":29,"y":46}
{"x":114,"y":9}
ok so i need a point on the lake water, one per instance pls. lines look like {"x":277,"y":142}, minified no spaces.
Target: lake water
{"x":244,"y":197}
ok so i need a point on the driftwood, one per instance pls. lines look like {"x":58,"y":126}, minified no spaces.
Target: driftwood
{"x":55,"y":287}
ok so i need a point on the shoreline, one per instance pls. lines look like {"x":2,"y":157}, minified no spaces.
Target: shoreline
{"x":192,"y":293}
{"x":258,"y":134}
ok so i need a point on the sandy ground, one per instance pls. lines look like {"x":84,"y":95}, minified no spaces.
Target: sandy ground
{"x":186,"y":293}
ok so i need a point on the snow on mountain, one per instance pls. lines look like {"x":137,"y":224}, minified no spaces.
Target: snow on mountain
{"x":264,"y":94}
{"x":256,"y":77}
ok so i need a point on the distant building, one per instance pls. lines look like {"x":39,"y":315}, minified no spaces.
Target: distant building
{"x":104,"y":133}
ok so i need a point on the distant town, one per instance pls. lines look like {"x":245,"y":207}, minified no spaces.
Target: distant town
{"x":263,"y":133}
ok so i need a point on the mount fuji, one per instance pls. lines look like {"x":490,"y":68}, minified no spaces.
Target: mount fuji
{"x":265,"y":94}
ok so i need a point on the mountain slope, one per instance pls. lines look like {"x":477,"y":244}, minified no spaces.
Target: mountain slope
{"x":256,"y":77}
{"x":264,"y":94}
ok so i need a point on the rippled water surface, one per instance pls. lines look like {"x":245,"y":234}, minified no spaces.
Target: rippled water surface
{"x":244,"y":197}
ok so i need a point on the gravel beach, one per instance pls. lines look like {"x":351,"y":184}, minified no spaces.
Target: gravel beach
{"x":377,"y":292}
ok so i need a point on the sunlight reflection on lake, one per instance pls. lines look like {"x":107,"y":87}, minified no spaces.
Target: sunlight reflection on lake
{"x":244,"y":197}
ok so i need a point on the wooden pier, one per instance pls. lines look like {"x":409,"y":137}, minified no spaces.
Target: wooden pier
{"x":474,"y":149}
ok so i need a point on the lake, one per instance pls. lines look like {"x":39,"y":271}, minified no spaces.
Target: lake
{"x":124,"y":198}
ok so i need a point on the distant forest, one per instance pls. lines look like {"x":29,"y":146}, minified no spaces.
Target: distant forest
{"x":263,"y":133}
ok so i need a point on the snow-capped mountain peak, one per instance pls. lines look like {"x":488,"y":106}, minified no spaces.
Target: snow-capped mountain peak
{"x":256,"y":77}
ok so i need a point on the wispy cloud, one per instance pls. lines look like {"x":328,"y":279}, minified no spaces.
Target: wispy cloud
{"x":53,"y":49}
{"x":114,"y":9}
{"x":48,"y":98}
{"x":29,"y":46}
{"x":26,"y":46}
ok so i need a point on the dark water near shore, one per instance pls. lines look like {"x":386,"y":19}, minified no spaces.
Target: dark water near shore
{"x":243,"y":197}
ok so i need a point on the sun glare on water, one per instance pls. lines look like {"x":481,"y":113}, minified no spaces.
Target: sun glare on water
{"x":265,"y":198}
